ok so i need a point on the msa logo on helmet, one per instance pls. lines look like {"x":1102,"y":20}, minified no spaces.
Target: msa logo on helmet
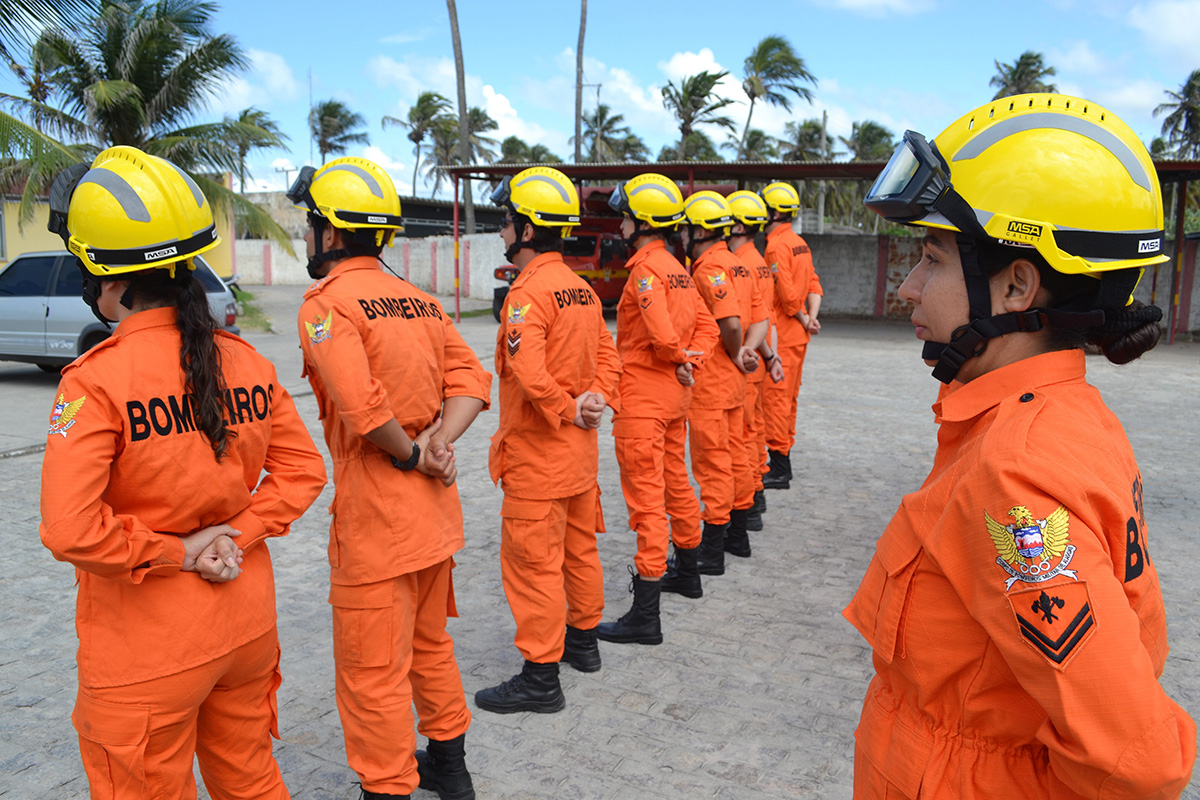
{"x":1025,"y":229}
{"x":1149,"y":245}
{"x":166,"y":252}
{"x":376,"y":220}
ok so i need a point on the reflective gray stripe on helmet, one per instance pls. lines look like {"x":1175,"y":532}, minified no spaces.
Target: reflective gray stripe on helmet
{"x":561,"y":191}
{"x":121,"y":191}
{"x":656,"y":188}
{"x":196,"y":193}
{"x":937,"y":218}
{"x":367,"y":177}
{"x":1083,"y":127}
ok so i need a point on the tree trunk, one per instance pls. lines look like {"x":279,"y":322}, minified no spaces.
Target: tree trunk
{"x":579,"y":80}
{"x":464,"y":142}
{"x":745,"y":131}
{"x":416,"y":167}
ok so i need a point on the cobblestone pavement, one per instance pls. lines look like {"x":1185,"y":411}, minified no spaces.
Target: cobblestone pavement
{"x":755,"y":691}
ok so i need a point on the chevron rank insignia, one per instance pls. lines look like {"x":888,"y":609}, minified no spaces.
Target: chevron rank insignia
{"x":1032,"y":550}
{"x":62,"y":415}
{"x":646,"y":302}
{"x":1054,"y":620}
{"x":320,"y":330}
{"x":514,"y":343}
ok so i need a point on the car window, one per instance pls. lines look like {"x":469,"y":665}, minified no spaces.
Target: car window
{"x":70,"y":279}
{"x":208,"y":279}
{"x":27,"y":277}
{"x":579,"y":246}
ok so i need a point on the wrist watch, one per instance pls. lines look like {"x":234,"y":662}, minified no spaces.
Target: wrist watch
{"x":411,"y":464}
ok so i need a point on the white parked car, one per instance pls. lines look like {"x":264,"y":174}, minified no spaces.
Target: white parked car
{"x":44,"y":321}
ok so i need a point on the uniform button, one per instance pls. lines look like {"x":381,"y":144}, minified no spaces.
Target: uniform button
{"x":1025,"y":398}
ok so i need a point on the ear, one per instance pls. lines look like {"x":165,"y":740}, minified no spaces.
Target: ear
{"x":1018,"y":287}
{"x":527,"y":233}
{"x":331,"y":238}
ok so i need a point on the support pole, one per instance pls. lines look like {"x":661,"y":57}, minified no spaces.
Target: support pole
{"x":457,"y":319}
{"x":691,"y":180}
{"x":1177,"y":260}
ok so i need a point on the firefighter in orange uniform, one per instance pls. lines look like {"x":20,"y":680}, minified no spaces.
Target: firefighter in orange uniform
{"x":797,"y":303}
{"x":664,"y":334}
{"x":749,"y":217}
{"x":716,"y":419}
{"x":396,"y":385}
{"x":558,"y":368}
{"x":1012,"y":605}
{"x":153,"y":487}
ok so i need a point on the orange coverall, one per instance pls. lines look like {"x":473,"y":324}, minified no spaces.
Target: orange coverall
{"x":796,"y":279}
{"x":552,"y":346}
{"x":171,"y":665}
{"x":755,"y":427}
{"x":376,"y":348}
{"x":1015,"y":615}
{"x":659,"y":316}
{"x":717,"y":420}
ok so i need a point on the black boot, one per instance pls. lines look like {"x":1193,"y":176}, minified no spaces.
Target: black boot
{"x":780,"y":474}
{"x":366,"y":795}
{"x":683,"y":573}
{"x":443,"y":769}
{"x":641,"y":625}
{"x":580,"y":649}
{"x":712,"y":549}
{"x":534,"y":688}
{"x":737,"y":541}
{"x":754,"y":520}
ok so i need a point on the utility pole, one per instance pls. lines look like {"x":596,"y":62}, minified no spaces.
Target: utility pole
{"x":579,"y":79}
{"x":287,"y":172}
{"x":821,"y":185}
{"x":310,"y":110}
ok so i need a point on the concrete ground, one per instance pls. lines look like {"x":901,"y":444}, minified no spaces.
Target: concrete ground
{"x":755,"y":691}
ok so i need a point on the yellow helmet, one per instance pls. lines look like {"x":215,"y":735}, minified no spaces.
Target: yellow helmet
{"x":652,"y":198}
{"x":543,"y":194}
{"x":782,"y":197}
{"x":748,"y":208}
{"x":129,"y":212}
{"x":1056,"y":173}
{"x":351,"y":193}
{"x":709,"y":210}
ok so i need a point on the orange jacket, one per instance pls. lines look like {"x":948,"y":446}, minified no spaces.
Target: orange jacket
{"x":660,"y":315}
{"x":552,"y":346}
{"x":126,"y":473}
{"x":1015,"y":615}
{"x":729,"y":290}
{"x":377,"y":348}
{"x":788,"y":253}
{"x":751,"y":259}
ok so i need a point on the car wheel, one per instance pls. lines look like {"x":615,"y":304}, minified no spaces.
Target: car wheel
{"x":91,"y":341}
{"x":499,"y":295}
{"x":51,"y":368}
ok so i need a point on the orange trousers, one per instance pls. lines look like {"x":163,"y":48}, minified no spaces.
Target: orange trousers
{"x":139,"y":740}
{"x":391,"y":651}
{"x":551,"y":569}
{"x":870,"y":783}
{"x":719,"y":461}
{"x":755,"y":433}
{"x":654,"y":480}
{"x":779,"y":400}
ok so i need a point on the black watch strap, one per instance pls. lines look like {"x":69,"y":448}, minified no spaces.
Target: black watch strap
{"x":411,"y":464}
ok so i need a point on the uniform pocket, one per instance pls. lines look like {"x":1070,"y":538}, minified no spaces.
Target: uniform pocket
{"x":362,"y":624}
{"x":112,"y":744}
{"x":880,"y":608}
{"x":524,"y":536}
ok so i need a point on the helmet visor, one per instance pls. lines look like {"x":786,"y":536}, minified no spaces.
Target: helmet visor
{"x":300,"y":192}
{"x":911,"y":183}
{"x":503,"y":192}
{"x":618,"y":201}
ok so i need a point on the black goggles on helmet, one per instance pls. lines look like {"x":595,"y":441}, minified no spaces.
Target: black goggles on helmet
{"x":916,"y":184}
{"x":503,"y":193}
{"x":300,"y":193}
{"x":618,"y":201}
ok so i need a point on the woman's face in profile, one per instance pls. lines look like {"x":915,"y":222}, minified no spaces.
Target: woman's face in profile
{"x":937,"y":289}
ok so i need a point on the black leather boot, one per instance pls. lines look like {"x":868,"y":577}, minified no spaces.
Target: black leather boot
{"x":780,"y":474}
{"x":683,"y":573}
{"x":443,"y":769}
{"x":366,"y":795}
{"x":534,"y":688}
{"x":580,"y":649}
{"x":712,"y":549}
{"x":737,"y":541}
{"x":641,"y":625}
{"x":754,"y":520}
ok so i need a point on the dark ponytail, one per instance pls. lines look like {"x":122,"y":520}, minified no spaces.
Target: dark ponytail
{"x":199,"y":356}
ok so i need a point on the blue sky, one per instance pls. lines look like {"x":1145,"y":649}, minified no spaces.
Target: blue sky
{"x":903,"y":63}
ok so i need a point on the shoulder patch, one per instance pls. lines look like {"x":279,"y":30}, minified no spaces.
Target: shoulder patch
{"x":1055,"y":620}
{"x":645,"y":284}
{"x":718,"y":279}
{"x":1032,"y":550}
{"x":516,"y":314}
{"x":62,"y":414}
{"x":320,"y":330}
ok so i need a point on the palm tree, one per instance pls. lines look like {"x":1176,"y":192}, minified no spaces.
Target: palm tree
{"x":1023,"y":76}
{"x":754,"y":145}
{"x":772,"y":70}
{"x":605,"y":131}
{"x":694,"y":102}
{"x":632,"y":148}
{"x":20,"y":18}
{"x":869,"y":141}
{"x":480,"y":147}
{"x":699,"y":148}
{"x":802,"y":141}
{"x":1182,"y":124}
{"x":253,"y":130}
{"x":446,"y":150}
{"x":421,"y":115}
{"x":515,"y":150}
{"x":464,"y":138}
{"x":136,"y":74}
{"x":333,"y":125}
{"x":443,"y":149}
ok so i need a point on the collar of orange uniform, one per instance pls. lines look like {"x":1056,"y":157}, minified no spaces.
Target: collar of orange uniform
{"x":150,"y":318}
{"x":966,"y":401}
{"x":533,"y":266}
{"x":711,"y":253}
{"x":781,"y":230}
{"x":353,"y":263}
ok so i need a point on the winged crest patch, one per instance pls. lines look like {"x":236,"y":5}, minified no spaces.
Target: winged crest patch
{"x":516,"y":314}
{"x":1032,"y":550}
{"x":62,"y":415}
{"x":645,"y":284}
{"x":320,"y":330}
{"x":717,"y":280}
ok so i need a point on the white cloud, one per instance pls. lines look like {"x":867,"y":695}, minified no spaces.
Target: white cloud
{"x":1079,"y":59}
{"x":406,"y":37}
{"x":879,"y":8}
{"x":268,"y":81}
{"x":1172,"y":26}
{"x":282,"y":163}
